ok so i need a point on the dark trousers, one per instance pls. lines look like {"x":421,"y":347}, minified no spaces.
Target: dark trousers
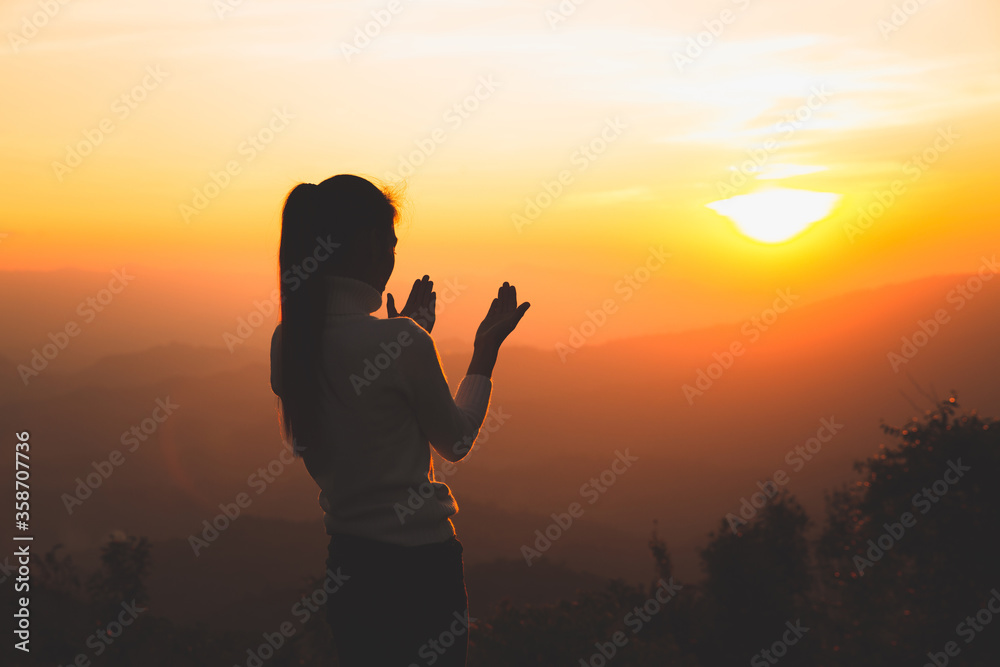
{"x":398,"y":606}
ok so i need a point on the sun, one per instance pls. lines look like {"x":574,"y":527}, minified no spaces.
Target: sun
{"x":776,"y":215}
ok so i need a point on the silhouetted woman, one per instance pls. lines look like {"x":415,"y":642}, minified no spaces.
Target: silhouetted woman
{"x":362,"y":400}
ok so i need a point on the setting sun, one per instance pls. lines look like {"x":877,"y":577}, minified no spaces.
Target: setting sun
{"x":715,"y":284}
{"x":773,"y":216}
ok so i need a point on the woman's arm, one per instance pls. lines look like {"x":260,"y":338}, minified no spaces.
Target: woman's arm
{"x":452,"y":425}
{"x":449,"y":424}
{"x":483,"y":361}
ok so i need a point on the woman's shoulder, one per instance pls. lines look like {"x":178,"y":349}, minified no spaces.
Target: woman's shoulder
{"x":405,"y":333}
{"x":377,"y":332}
{"x":405,"y":326}
{"x":394,"y":327}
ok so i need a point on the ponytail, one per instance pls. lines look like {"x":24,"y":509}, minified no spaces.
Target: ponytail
{"x":335,"y":210}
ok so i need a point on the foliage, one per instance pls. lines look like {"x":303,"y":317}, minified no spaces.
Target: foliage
{"x":894,"y":605}
{"x":867,"y":600}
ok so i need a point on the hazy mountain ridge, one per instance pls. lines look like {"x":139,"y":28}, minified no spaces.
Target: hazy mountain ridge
{"x":564,"y":423}
{"x":155,"y":308}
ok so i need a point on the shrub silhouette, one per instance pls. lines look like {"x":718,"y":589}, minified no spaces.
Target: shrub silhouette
{"x":758,"y":580}
{"x":885,"y":608}
{"x":893,"y":606}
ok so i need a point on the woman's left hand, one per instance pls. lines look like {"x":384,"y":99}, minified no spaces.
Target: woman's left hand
{"x":420,"y":306}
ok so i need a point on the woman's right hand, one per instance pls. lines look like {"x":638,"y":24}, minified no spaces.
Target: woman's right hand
{"x":500,"y":320}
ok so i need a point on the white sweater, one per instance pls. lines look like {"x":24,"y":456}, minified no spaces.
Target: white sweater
{"x":385,"y":399}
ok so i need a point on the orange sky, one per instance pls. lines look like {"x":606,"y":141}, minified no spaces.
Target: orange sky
{"x":198,"y":81}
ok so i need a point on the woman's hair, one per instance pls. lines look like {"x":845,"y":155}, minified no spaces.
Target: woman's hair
{"x":326,"y":229}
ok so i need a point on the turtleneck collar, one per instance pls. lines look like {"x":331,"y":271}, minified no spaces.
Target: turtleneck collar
{"x":348,"y":296}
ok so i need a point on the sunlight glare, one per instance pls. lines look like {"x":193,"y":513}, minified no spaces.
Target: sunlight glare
{"x":776,"y":215}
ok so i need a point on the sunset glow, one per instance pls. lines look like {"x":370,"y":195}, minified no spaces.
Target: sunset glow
{"x":165,"y":139}
{"x":694,"y":293}
{"x":773,"y":216}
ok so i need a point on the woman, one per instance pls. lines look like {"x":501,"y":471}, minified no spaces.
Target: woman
{"x":362,"y":400}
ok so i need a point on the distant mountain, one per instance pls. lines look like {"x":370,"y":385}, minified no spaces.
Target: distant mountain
{"x":563,"y":426}
{"x":126,"y":370}
{"x":700,"y":457}
{"x":126,"y":310}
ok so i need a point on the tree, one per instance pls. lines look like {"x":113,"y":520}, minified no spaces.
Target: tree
{"x":756,"y":581}
{"x":125,"y":562}
{"x":910,"y":551}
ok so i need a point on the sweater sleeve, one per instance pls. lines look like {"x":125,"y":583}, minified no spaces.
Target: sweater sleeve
{"x":451,"y":425}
